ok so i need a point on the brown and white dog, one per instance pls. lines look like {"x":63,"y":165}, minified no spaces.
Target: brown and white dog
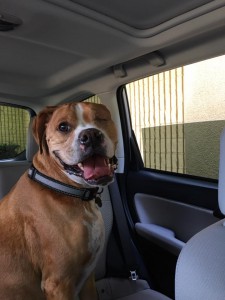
{"x":50,"y":240}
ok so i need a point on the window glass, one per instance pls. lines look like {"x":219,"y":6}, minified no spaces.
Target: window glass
{"x":93,"y":99}
{"x":14,"y":124}
{"x":178,"y":117}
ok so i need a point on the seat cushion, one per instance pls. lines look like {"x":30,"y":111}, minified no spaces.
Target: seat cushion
{"x":125,"y":289}
{"x":201,"y":266}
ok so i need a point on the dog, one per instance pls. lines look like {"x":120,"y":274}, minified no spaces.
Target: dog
{"x":51,"y":228}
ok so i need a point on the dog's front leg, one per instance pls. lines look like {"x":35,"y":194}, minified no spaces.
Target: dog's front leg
{"x":88,"y":290}
{"x":55,"y":289}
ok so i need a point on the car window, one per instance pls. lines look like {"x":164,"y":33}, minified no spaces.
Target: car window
{"x":178,"y":116}
{"x":14,"y":122}
{"x":93,"y":99}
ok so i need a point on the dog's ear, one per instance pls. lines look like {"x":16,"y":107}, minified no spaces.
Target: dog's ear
{"x":39,"y":126}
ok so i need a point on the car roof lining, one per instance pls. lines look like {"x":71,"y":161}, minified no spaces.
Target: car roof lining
{"x":72,"y":53}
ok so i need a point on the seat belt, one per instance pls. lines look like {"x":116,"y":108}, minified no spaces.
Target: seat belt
{"x":128,"y":248}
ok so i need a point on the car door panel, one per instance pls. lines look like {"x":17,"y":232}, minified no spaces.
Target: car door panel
{"x":172,"y":202}
{"x":169,"y":223}
{"x":166,"y":211}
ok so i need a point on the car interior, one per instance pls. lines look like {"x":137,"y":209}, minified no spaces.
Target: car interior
{"x":159,"y":69}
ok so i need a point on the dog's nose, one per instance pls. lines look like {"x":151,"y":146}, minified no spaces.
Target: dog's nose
{"x":91,"y":136}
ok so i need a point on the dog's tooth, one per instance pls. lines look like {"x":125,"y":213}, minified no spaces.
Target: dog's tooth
{"x":80,"y":165}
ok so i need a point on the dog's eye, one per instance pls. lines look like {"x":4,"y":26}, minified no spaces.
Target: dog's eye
{"x":64,"y":127}
{"x":100,"y":119}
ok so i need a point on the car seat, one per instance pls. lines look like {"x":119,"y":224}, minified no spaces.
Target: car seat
{"x":200,"y":271}
{"x":118,"y":288}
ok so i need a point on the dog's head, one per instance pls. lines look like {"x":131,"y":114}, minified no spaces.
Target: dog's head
{"x":81,"y":138}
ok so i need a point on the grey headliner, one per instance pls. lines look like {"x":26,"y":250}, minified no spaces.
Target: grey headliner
{"x":141,"y":14}
{"x":64,"y":49}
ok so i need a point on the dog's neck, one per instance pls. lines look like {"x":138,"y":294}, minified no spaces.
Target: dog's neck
{"x":39,"y":172}
{"x":85,"y":194}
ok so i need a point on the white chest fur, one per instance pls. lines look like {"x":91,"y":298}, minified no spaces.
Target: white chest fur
{"x":96,"y":239}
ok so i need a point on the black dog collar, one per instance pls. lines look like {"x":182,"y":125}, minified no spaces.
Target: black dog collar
{"x":84,"y":194}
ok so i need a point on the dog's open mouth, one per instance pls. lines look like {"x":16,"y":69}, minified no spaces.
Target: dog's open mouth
{"x":95,"y":169}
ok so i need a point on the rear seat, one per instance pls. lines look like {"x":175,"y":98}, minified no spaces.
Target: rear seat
{"x":110,"y":288}
{"x":113,"y":288}
{"x":10,"y":172}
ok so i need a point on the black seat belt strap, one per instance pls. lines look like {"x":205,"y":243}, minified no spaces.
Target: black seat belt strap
{"x":127,"y":244}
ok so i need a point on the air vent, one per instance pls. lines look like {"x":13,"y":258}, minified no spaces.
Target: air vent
{"x":9,"y":22}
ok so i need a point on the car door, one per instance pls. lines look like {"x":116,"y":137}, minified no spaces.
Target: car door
{"x":171,"y":126}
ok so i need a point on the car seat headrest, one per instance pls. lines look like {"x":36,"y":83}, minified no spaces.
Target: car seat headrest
{"x":221,"y":187}
{"x":32,"y":146}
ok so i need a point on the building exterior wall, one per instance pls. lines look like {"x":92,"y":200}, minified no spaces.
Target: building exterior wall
{"x":14,"y":123}
{"x":178,"y":117}
{"x":157,"y":115}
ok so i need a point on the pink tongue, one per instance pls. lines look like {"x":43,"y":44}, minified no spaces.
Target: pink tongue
{"x":95,"y":167}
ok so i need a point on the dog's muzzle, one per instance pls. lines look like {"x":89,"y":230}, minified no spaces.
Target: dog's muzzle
{"x":94,"y":166}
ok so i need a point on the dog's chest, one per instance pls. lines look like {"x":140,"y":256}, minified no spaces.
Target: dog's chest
{"x":94,"y":227}
{"x":93,"y":223}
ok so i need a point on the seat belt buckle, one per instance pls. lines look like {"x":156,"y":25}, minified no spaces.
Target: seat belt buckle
{"x":133,"y":275}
